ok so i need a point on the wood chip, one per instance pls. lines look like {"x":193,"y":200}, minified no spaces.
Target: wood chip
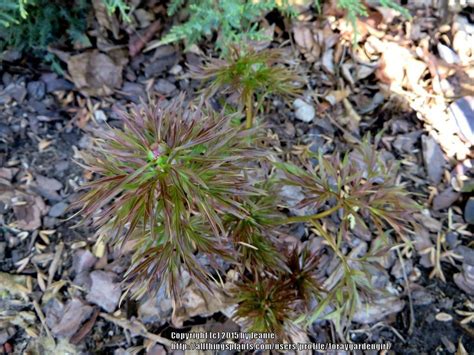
{"x":444,"y":317}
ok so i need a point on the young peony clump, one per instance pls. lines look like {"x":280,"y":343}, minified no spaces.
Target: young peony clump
{"x":166,"y":181}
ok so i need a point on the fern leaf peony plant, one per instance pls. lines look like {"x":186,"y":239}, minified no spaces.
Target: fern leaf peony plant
{"x":166,"y":181}
{"x":252,"y":75}
{"x":178,"y":183}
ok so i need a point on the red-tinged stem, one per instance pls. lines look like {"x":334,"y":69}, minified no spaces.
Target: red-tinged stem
{"x":308,"y":218}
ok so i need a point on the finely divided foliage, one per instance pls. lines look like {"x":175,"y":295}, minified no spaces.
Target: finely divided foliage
{"x":363,"y":188}
{"x":265,"y":305}
{"x":179,"y":184}
{"x":166,"y":181}
{"x":249,"y":72}
{"x":272,"y":303}
{"x":252,"y":75}
{"x":236,"y":21}
{"x":361,"y":184}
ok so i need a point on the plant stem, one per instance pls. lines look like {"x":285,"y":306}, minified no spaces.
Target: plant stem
{"x":249,"y":111}
{"x":308,"y":218}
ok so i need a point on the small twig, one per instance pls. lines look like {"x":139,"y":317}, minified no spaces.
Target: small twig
{"x":437,"y":269}
{"x":55,"y":263}
{"x":380,"y":325}
{"x":410,"y":301}
{"x":348,"y":135}
{"x":138,"y":42}
{"x":40,"y":314}
{"x":137,"y":328}
{"x":308,"y":218}
{"x":86,"y":328}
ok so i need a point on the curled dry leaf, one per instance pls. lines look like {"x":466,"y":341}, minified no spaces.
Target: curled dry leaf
{"x":106,"y":22}
{"x":465,"y":279}
{"x":398,"y":64}
{"x":28,"y":211}
{"x":308,"y":41}
{"x":95,"y":73}
{"x":74,"y":314}
{"x":303,"y":37}
{"x":328,"y":61}
{"x":267,"y":38}
{"x":194,"y":302}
